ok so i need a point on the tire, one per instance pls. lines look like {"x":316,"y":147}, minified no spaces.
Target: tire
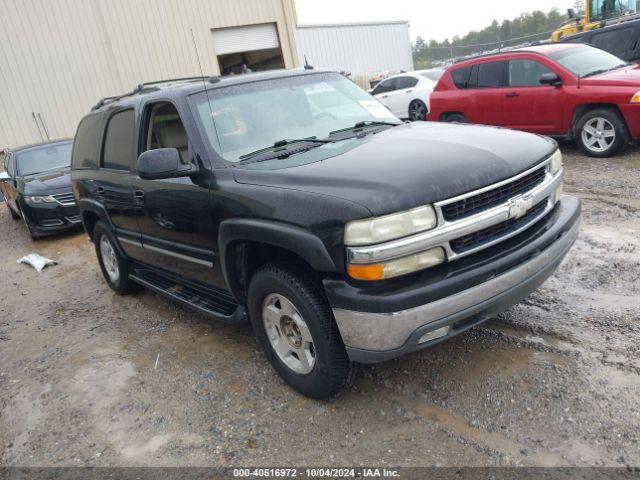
{"x":32,"y":234}
{"x":601,"y":133}
{"x":115,"y":267}
{"x":418,"y":111}
{"x":305,"y":328}
{"x":13,"y":214}
{"x":456,"y":118}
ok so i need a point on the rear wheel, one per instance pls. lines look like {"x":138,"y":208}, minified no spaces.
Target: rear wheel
{"x":418,"y":111}
{"x":296,"y":329}
{"x":601,"y":133}
{"x":456,"y":118}
{"x":115,"y":267}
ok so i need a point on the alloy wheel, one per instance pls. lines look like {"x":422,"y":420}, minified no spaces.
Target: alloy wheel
{"x":598,"y":134}
{"x":288,"y":334}
{"x":417,"y":111}
{"x":109,"y":259}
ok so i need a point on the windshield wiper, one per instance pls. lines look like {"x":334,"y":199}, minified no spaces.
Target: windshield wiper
{"x":280,"y":148}
{"x":605,"y":70}
{"x":361,"y":125}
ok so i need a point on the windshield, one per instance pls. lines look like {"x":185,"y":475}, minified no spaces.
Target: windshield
{"x":584,"y":61}
{"x":602,"y":9}
{"x":433,"y":75}
{"x":252,"y":116}
{"x":44,"y":158}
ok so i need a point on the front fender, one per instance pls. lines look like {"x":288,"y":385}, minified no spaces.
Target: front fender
{"x":299,"y":241}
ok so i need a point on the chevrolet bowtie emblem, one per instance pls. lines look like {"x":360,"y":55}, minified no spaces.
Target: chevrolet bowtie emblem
{"x":518,"y":207}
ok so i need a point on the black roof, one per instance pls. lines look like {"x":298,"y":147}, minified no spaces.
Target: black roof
{"x":187,"y":86}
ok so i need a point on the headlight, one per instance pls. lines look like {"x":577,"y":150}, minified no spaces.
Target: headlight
{"x":395,"y":268}
{"x":555,"y":164}
{"x":636,"y":98}
{"x":37,"y":199}
{"x":390,"y":227}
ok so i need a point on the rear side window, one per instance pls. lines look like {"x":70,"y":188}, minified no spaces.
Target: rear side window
{"x":490,"y":75}
{"x":406,"y":82}
{"x":461,"y":77}
{"x":119,"y":142}
{"x":526,"y":73}
{"x":9,"y":164}
{"x":86,"y":143}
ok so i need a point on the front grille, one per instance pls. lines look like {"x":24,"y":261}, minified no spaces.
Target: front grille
{"x":66,"y":199}
{"x":74,"y":219}
{"x":476,"y":239}
{"x":497,"y":196}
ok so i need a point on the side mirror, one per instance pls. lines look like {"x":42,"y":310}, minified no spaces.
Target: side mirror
{"x":550,"y":79}
{"x":4,"y":176}
{"x":163,"y":163}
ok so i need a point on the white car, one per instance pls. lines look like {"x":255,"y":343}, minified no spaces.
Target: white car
{"x":407,"y":94}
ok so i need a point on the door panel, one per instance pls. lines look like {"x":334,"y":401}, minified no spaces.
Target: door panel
{"x":486,"y":95}
{"x":529,"y":105}
{"x":176,"y":231}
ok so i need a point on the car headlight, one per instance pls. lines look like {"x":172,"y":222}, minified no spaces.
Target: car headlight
{"x":555,"y":164}
{"x":33,"y":200}
{"x":390,"y":227}
{"x":636,"y":98}
{"x":401,"y":266}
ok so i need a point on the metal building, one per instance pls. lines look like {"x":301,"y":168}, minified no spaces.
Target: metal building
{"x":363,"y":49}
{"x":59,"y":57}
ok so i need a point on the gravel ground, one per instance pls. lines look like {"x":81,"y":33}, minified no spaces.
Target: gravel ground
{"x":90,"y":378}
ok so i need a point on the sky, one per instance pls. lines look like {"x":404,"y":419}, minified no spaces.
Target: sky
{"x":437,"y":19}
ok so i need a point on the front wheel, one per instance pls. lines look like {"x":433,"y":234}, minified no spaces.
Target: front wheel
{"x":418,"y":111}
{"x":13,"y":214}
{"x":456,"y":118}
{"x":296,"y":329}
{"x":601,"y":133}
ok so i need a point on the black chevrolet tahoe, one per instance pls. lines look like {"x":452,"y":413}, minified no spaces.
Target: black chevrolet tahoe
{"x":296,"y":201}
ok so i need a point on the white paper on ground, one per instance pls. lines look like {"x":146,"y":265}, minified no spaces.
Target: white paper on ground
{"x":37,"y":261}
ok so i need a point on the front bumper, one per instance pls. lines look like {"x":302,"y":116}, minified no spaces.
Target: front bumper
{"x":379,"y":335}
{"x":50,"y":218}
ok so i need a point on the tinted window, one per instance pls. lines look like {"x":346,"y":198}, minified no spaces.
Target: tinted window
{"x":43,"y":158}
{"x":386,"y":86}
{"x":526,"y":73}
{"x":119,"y":142}
{"x":490,"y":75}
{"x":87,"y":141}
{"x":461,"y":77}
{"x":405,"y":82}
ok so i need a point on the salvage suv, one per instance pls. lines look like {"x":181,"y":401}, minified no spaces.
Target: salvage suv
{"x":295,"y":200}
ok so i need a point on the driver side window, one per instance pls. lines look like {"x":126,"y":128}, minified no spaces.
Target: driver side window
{"x":165,"y":130}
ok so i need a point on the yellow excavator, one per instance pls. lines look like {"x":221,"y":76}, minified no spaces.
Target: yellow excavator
{"x":611,"y":25}
{"x":598,"y":14}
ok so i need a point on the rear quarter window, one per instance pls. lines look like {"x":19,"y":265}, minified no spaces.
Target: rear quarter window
{"x":87,"y":142}
{"x":461,"y":77}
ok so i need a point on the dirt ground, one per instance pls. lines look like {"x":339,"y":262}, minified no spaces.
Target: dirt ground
{"x":91,"y":378}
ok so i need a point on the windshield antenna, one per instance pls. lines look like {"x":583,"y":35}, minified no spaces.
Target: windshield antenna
{"x":204,"y":85}
{"x":306,"y":64}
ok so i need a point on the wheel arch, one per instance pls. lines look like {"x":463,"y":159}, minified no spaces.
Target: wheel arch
{"x":445,"y":115}
{"x":247,"y":244}
{"x":581,"y":110}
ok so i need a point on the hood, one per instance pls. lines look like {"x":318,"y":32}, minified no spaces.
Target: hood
{"x":412,"y":165}
{"x":623,"y":77}
{"x":47,"y":183}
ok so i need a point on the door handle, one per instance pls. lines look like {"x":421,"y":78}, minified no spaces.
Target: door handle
{"x":138,"y":197}
{"x":512,"y":95}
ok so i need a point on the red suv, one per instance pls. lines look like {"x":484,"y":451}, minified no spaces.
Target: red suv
{"x":561,"y":90}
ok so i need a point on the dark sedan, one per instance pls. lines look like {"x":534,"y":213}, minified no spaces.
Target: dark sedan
{"x":37,"y":186}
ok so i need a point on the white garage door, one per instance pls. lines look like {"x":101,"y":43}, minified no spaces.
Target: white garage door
{"x":245,"y":39}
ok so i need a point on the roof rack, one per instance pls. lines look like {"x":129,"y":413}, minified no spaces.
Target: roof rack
{"x":147,"y":87}
{"x":497,"y":51}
